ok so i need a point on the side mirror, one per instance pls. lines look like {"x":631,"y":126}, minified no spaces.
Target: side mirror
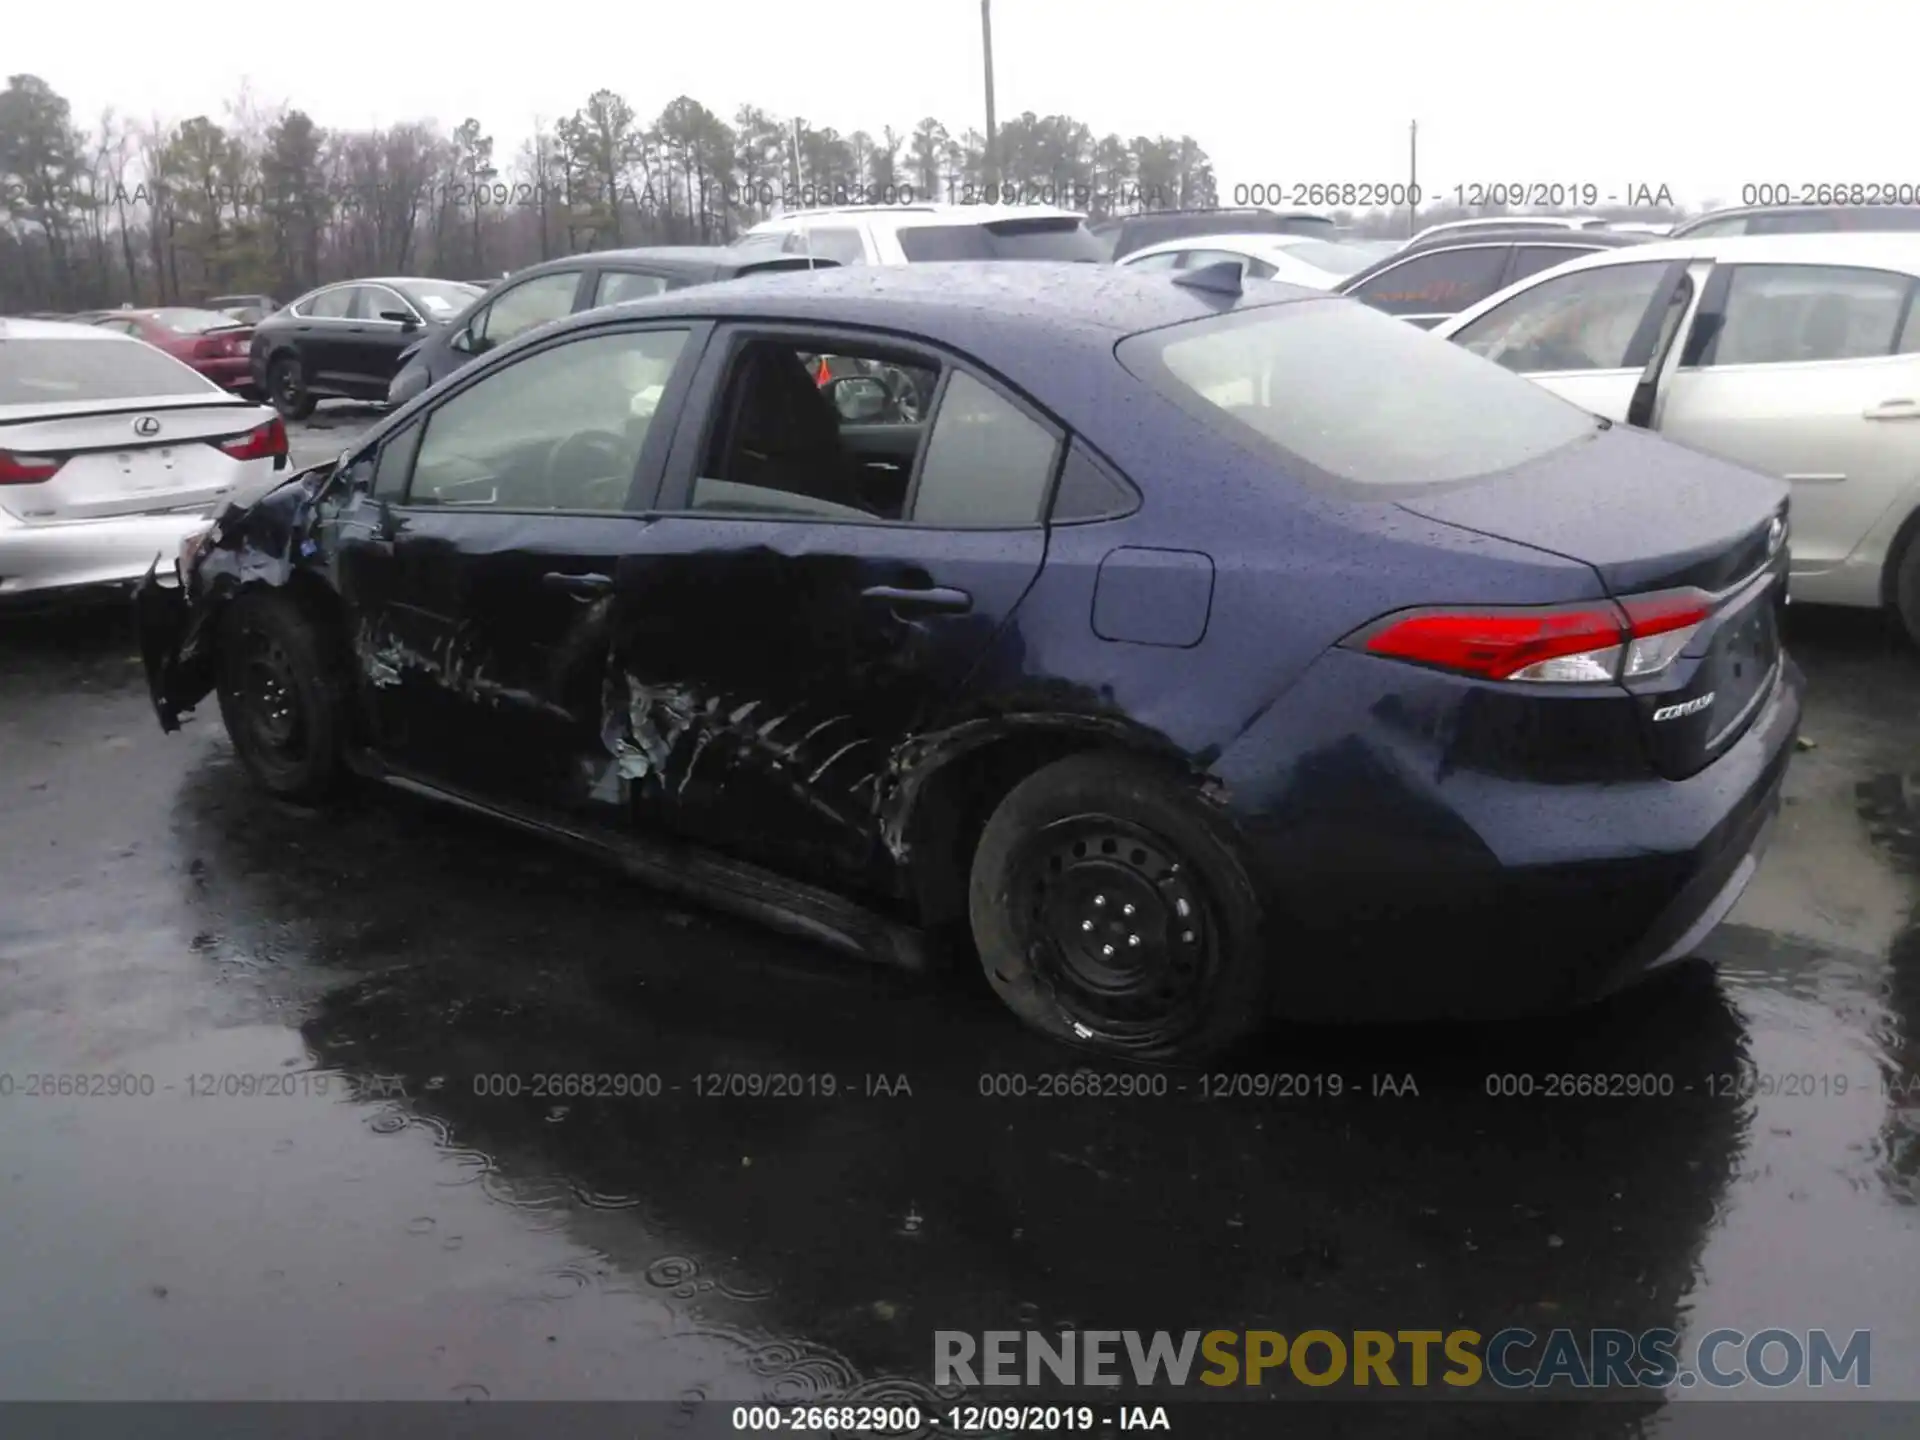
{"x":858,"y":397}
{"x":463,"y":341}
{"x":408,"y":320}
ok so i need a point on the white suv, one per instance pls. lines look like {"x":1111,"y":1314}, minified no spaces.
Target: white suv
{"x":907,"y":234}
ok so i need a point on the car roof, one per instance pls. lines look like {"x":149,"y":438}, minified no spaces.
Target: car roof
{"x":903,"y":217}
{"x":1733,"y":211}
{"x":1590,"y":241}
{"x":1522,"y":234}
{"x":960,"y":303}
{"x":1875,"y":249}
{"x":1234,"y":240}
{"x":56,"y":330}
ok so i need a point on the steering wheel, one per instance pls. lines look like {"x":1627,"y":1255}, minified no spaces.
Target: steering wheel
{"x":589,"y":468}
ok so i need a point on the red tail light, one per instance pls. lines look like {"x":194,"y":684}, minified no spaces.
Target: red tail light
{"x":28,"y":469}
{"x":263,"y":442}
{"x":1554,"y":644}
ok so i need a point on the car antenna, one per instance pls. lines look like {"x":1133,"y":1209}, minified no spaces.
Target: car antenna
{"x":1220,"y":278}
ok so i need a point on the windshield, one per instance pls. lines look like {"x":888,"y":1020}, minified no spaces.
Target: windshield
{"x":1356,"y":394}
{"x":1332,"y":256}
{"x":194,"y":322}
{"x":1047,"y":238}
{"x":441,"y":299}
{"x":55,"y":372}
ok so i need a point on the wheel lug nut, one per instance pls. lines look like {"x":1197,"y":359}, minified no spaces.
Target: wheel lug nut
{"x":1181,"y":908}
{"x":1187,"y":935}
{"x":1133,"y":939}
{"x":1106,"y":949}
{"x":1099,"y":899}
{"x":1126,"y":909}
{"x":1086,"y":924}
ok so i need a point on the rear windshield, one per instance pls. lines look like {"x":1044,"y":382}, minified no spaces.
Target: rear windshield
{"x":194,"y":322}
{"x":1357,"y":395}
{"x":1330,"y":255}
{"x":53,"y":372}
{"x":1042,"y":239}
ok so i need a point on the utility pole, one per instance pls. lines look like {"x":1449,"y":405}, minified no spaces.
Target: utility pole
{"x":1413,"y":177}
{"x":991,"y":165}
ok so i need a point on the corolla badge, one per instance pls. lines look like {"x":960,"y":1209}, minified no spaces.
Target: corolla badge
{"x":1776,"y":532}
{"x":146,"y":425}
{"x":1685,"y":707}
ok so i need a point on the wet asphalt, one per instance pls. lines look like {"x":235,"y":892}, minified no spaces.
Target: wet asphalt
{"x":316,"y":1189}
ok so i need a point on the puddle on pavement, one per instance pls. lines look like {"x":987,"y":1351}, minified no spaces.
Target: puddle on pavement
{"x":440,"y":1221}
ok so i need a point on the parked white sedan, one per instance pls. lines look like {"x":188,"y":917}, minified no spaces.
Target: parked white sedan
{"x":111,"y":453}
{"x":1798,"y":355}
{"x":1297,"y":259}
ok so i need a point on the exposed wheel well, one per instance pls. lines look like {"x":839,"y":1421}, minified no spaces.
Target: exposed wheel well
{"x":946,"y":821}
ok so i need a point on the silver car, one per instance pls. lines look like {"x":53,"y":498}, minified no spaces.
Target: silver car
{"x":1798,"y":355}
{"x":111,"y":454}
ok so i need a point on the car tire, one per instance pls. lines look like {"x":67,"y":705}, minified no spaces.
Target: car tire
{"x":287,"y":388}
{"x":282,"y":696}
{"x":1906,"y":590}
{"x":1111,"y":912}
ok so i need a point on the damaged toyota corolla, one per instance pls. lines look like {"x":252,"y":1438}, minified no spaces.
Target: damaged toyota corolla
{"x":1206,"y":654}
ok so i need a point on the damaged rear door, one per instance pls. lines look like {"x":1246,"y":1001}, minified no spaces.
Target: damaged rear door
{"x":771,"y":649}
{"x":477,"y":557}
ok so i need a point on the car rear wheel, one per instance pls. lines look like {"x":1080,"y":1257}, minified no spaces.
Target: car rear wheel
{"x":281,"y":697}
{"x":1110,"y":913}
{"x":287,"y":388}
{"x":1906,"y":589}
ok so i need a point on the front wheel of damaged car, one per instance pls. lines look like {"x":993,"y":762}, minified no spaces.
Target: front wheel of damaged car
{"x":1110,"y":913}
{"x":280,"y":697}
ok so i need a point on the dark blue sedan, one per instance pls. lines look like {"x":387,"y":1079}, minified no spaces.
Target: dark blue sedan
{"x":1204,"y":654}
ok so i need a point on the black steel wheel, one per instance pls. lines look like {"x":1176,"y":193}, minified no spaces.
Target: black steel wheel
{"x":1110,"y":912}
{"x":280,"y":696}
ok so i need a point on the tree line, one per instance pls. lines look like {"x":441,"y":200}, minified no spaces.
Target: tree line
{"x":269,"y":201}
{"x":264,"y":200}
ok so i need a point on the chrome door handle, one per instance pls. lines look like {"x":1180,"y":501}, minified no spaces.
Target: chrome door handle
{"x":1893,"y":410}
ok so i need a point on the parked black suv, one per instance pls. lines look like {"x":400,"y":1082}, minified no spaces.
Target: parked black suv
{"x":1429,"y":280}
{"x":345,"y":340}
{"x":555,"y":288}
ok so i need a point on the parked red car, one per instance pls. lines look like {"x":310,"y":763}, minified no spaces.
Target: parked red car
{"x":211,"y":342}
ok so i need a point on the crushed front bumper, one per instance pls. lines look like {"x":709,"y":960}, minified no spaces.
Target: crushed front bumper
{"x":179,"y":673}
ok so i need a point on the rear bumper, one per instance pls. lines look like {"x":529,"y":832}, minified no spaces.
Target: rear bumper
{"x":41,"y":562}
{"x":233,"y":374}
{"x":1404,"y":888}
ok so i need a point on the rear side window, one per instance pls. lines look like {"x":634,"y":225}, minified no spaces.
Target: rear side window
{"x":330,"y":304}
{"x":617,"y":285}
{"x":1440,"y":282}
{"x":1044,"y":238}
{"x":987,"y":463}
{"x":1798,"y":314}
{"x":837,"y":243}
{"x":1354,"y":394}
{"x":55,"y":372}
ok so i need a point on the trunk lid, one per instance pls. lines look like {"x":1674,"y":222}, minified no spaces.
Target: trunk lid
{"x":110,"y":468}
{"x":1645,"y":513}
{"x":1670,"y":531}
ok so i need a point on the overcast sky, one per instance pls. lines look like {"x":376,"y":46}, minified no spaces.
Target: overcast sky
{"x":1701,"y":95}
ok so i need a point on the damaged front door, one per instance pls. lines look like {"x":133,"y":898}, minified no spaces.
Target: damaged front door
{"x":483,"y":583}
{"x":774,"y":648}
